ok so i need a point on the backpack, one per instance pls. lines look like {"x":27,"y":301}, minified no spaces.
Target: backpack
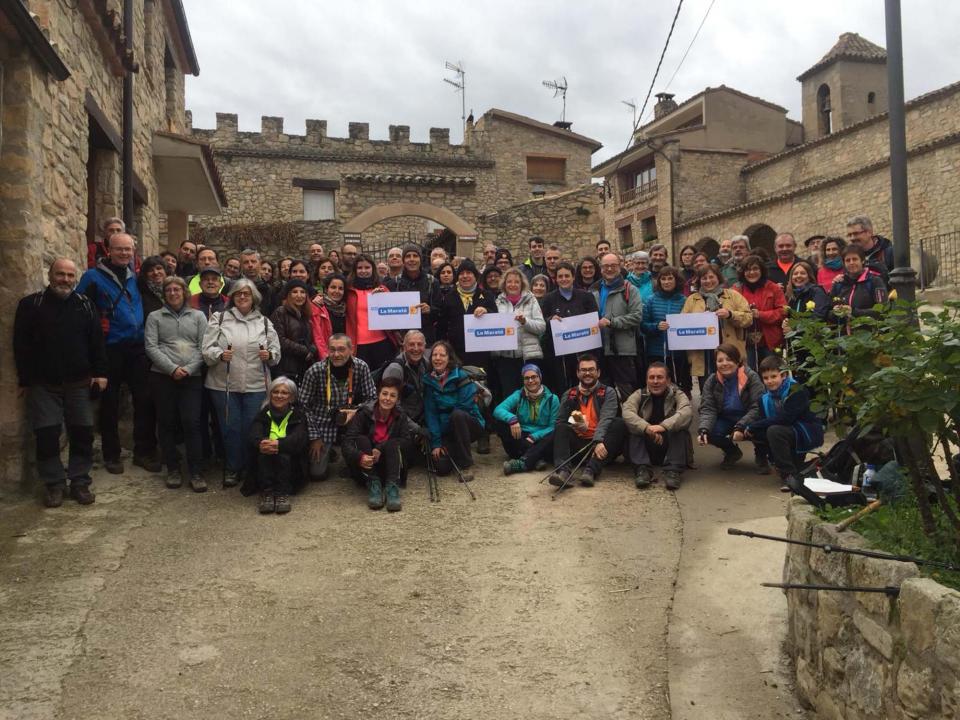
{"x":477,"y":376}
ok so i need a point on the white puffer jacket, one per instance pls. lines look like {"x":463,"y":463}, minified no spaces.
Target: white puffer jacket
{"x":247,"y":334}
{"x":530,"y":332}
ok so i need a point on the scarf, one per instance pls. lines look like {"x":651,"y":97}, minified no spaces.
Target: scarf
{"x":533,"y":399}
{"x":156,"y":289}
{"x":587,"y":392}
{"x":336,"y":309}
{"x":514,"y":299}
{"x":754,"y":286}
{"x":441,"y":376}
{"x":835,"y":263}
{"x":368,"y":283}
{"x":466,"y":296}
{"x":711,"y":299}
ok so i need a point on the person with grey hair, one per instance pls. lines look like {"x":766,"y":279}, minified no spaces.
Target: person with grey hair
{"x":173,"y":338}
{"x":785,"y":247}
{"x":278,"y":439}
{"x":250,"y":267}
{"x":239,"y":346}
{"x":60,"y":358}
{"x":97,"y":249}
{"x":730,"y":266}
{"x":517,"y":301}
{"x":877,"y":249}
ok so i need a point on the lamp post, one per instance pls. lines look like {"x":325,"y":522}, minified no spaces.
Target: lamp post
{"x":903,"y":277}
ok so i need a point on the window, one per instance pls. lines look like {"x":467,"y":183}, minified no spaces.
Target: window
{"x":871,"y":98}
{"x":546,"y":169}
{"x":626,"y":236}
{"x":825,"y":120}
{"x":648,"y":226}
{"x":645,"y":179}
{"x":318,"y":205}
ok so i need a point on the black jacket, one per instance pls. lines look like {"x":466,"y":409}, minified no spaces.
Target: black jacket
{"x":411,"y":396}
{"x":297,"y":351}
{"x":57,"y":341}
{"x":812,"y":293}
{"x":581,"y":302}
{"x":450,"y":325}
{"x":362,"y":425}
{"x":293,"y":445}
{"x":424,"y":284}
{"x":860,"y":293}
{"x":880,"y":257}
{"x":779,"y":276}
{"x":148,"y":300}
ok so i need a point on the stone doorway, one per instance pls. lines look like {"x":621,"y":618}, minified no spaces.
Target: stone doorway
{"x":762,"y":236}
{"x":458,"y":236}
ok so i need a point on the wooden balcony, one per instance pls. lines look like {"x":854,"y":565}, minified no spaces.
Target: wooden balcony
{"x":634,"y":193}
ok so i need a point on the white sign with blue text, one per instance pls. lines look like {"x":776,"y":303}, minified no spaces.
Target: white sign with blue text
{"x":576,"y":334}
{"x":493,"y":331}
{"x":693,"y":331}
{"x":393,"y":310}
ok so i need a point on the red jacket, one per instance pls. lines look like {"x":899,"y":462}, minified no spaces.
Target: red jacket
{"x":357,"y":327}
{"x":770,"y":301}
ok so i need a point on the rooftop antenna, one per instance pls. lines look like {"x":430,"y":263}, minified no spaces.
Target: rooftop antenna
{"x":632,"y":104}
{"x":461,"y":87}
{"x":559,"y":87}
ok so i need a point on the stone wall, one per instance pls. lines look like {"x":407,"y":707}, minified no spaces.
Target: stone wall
{"x":865,"y":656}
{"x":708,"y":181}
{"x":571,"y":219}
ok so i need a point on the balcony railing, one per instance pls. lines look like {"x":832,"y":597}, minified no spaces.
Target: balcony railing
{"x":631,"y":194}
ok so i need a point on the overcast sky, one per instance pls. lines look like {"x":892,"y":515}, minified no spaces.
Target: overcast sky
{"x":382,"y":62}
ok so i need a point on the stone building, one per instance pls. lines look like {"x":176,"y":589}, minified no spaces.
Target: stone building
{"x":723,"y":163}
{"x":288,"y":190}
{"x":62,"y":67}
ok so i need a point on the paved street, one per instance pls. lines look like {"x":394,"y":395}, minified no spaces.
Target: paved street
{"x":165,"y":604}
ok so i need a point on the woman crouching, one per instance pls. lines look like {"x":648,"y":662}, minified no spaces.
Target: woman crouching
{"x":377,"y":445}
{"x":278,"y":437}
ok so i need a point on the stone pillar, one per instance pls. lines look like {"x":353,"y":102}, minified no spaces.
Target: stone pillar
{"x":400,"y":134}
{"x":439,"y":138}
{"x":226,"y":126}
{"x":271,"y":127}
{"x":316,"y":131}
{"x":466,"y":246}
{"x":359,"y":131}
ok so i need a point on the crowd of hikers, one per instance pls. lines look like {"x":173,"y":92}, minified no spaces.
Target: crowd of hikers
{"x":271,"y":370}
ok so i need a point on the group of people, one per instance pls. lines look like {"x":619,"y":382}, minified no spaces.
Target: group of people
{"x":275,"y":371}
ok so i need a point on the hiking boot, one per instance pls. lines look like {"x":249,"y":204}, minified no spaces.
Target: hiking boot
{"x":513,"y":466}
{"x":559,"y":478}
{"x":541,"y":465}
{"x":787,"y":482}
{"x":281,"y":504}
{"x":762,"y":466}
{"x":483,"y":445}
{"x":231,"y":478}
{"x":642,"y":477}
{"x":53,"y":495}
{"x":671,"y":479}
{"x":197,"y":483}
{"x":174,"y":480}
{"x":586,"y":478}
{"x":148,"y":463}
{"x":375,"y":498}
{"x":393,"y":498}
{"x":114,"y":467}
{"x":82,"y":494}
{"x":730,"y":458}
{"x":267,"y":503}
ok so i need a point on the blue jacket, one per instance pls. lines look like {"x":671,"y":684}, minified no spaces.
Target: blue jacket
{"x":457,"y":393}
{"x":516,"y":408}
{"x":643,"y":283}
{"x":655,"y":311}
{"x":121,"y":310}
{"x":790,"y":405}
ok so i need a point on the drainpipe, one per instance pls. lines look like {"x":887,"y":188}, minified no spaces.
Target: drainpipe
{"x":127,"y":158}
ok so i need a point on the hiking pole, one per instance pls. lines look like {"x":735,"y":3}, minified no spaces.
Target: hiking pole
{"x":226,"y":411}
{"x":460,"y":475}
{"x":560,"y":465}
{"x":563,"y":486}
{"x":827,"y":548}
{"x":889,"y":590}
{"x":266,"y":375}
{"x":433,"y":486}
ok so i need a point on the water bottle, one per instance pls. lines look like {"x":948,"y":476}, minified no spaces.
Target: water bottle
{"x":868,"y":478}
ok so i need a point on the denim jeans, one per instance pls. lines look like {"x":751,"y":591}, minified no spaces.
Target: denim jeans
{"x":243,"y":408}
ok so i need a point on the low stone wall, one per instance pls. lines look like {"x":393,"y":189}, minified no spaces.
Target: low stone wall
{"x":861,"y":656}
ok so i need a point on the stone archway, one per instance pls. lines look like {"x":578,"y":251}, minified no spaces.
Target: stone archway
{"x":762,"y":236}
{"x":707,"y":245}
{"x":465,"y":233}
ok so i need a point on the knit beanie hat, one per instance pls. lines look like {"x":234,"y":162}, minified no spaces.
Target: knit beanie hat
{"x":467,"y":266}
{"x":412,"y":248}
{"x":528,"y":367}
{"x":291,"y":284}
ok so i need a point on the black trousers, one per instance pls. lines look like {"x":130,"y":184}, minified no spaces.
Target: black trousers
{"x":671,"y":455}
{"x":49,"y":408}
{"x":523,"y":449}
{"x":377,"y":354}
{"x":508,"y":374}
{"x":127,"y":364}
{"x":566,"y":442}
{"x":621,"y":372}
{"x":392,"y":465}
{"x":561,"y":373}
{"x":778,"y":443}
{"x":462,"y":430}
{"x":178,"y":417}
{"x":275,"y":473}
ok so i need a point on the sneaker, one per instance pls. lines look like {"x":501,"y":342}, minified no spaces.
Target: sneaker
{"x":513,"y":466}
{"x":541,"y":465}
{"x":586,"y":478}
{"x":559,"y":478}
{"x":282,"y":504}
{"x":731,"y":458}
{"x":148,"y":463}
{"x":393,"y":498}
{"x":375,"y":498}
{"x":483,"y":445}
{"x":763,"y":466}
{"x":786,"y":483}
{"x":197,"y":483}
{"x":231,"y":478}
{"x":174,"y":480}
{"x":53,"y":495}
{"x":267,"y":503}
{"x":82,"y":494}
{"x":642,"y":477}
{"x":114,"y":467}
{"x":671,"y":478}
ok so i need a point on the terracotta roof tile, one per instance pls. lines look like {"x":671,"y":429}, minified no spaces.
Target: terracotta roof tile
{"x":850,"y":46}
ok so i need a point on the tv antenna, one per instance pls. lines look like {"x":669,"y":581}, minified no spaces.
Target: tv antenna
{"x":632,"y":104}
{"x":559,"y":87}
{"x":461,"y":87}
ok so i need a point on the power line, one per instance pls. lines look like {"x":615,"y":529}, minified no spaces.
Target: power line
{"x":687,"y":51}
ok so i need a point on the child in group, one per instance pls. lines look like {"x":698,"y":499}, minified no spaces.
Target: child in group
{"x":787,"y":428}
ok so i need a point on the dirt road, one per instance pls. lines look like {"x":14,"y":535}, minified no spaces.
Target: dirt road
{"x":164,"y":604}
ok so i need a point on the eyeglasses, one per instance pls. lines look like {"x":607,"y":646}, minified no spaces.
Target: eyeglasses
{"x":243,"y":293}
{"x":531,"y":378}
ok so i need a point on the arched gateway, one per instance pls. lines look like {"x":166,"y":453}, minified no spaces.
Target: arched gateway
{"x":465,"y":232}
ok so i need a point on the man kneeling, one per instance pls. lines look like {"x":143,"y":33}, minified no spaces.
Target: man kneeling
{"x":658,"y":418}
{"x":787,"y":428}
{"x":593,"y":409}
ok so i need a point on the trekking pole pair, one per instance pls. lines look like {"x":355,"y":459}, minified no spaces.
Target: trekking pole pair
{"x":433,"y":486}
{"x":586,"y":456}
{"x":560,"y":465}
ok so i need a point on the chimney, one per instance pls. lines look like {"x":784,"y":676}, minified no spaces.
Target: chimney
{"x":563,"y":125}
{"x":665,"y":105}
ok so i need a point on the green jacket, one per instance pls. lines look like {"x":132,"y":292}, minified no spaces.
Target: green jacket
{"x":516,"y":408}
